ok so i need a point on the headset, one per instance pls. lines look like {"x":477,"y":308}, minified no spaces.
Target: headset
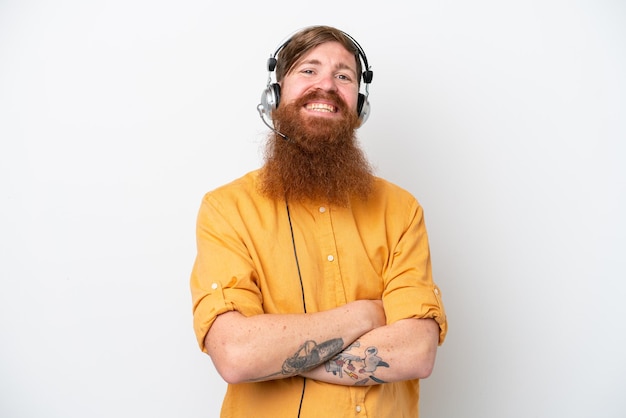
{"x":270,"y":98}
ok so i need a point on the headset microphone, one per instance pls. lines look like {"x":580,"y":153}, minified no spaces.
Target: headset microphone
{"x":262,"y":115}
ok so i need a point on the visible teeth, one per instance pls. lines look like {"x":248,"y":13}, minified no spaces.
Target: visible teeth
{"x":321,"y":107}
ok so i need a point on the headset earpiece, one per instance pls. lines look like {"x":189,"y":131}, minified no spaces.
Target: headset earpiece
{"x":270,"y":99}
{"x":363,"y":108}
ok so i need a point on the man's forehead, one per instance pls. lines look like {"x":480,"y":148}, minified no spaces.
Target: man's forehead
{"x":315,"y":56}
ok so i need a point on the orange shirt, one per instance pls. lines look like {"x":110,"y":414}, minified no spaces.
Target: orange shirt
{"x":374,"y":249}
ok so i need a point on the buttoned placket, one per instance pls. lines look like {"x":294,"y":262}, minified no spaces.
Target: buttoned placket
{"x":358,"y":399}
{"x":328,"y":247}
{"x":328,"y":230}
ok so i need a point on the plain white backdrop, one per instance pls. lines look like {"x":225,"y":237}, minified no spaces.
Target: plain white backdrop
{"x":505,"y":119}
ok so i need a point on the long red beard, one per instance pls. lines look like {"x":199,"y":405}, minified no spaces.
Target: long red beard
{"x":321,"y":161}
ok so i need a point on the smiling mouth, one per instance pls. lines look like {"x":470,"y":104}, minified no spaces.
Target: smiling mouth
{"x":321,"y":107}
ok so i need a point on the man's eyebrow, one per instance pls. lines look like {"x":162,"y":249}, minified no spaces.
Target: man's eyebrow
{"x":343,"y":66}
{"x":314,"y":61}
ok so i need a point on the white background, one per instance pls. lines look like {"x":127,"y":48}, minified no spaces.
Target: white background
{"x":505,"y":119}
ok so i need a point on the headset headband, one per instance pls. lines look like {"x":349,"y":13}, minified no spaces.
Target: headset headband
{"x":368,"y":74}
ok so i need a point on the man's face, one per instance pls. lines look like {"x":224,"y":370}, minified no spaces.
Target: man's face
{"x":321,"y":161}
{"x":329,"y":67}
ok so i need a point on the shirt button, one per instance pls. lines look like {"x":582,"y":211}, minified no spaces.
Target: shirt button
{"x":214,"y":286}
{"x":330,"y":257}
{"x":358,"y":408}
{"x":322,"y":209}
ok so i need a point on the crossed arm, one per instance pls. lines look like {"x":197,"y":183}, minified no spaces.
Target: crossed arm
{"x":348,"y":345}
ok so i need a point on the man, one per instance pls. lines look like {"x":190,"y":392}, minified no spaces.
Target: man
{"x":312,"y":289}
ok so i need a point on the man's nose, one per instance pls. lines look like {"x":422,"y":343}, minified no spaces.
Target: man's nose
{"x":327,"y":82}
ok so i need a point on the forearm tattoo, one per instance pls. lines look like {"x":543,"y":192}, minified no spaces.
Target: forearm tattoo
{"x":358,"y":368}
{"x":346,"y":364}
{"x":310,"y":355}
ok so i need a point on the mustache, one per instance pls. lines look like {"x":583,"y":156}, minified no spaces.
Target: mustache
{"x":319,"y":94}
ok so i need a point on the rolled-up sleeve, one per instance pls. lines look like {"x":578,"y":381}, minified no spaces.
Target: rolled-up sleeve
{"x":409,"y":288}
{"x":223,"y":277}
